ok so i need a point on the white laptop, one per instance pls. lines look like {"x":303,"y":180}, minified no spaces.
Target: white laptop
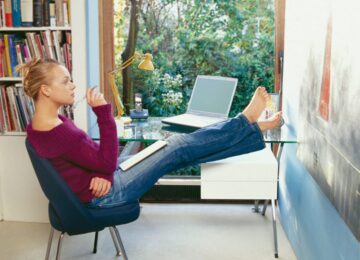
{"x":209,"y":103}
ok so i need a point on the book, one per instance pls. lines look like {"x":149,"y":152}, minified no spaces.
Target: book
{"x":52,"y":14}
{"x":46,"y":12}
{"x":48,"y":44}
{"x":38,"y":45}
{"x":16,"y":13}
{"x":27,"y":16}
{"x":19,"y":109}
{"x":12,"y":51}
{"x":2,"y":53}
{"x":65,"y":13}
{"x":143,"y":154}
{"x":5,"y":101}
{"x":13,"y":109}
{"x":7,"y":55}
{"x":59,"y":13}
{"x":27,"y":54}
{"x":38,"y":13}
{"x":59,"y":55}
{"x":8,"y":14}
{"x":2,"y":13}
{"x":3,"y":123}
{"x":19,"y":55}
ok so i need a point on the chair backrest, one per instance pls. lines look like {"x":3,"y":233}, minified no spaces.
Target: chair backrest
{"x":71,"y":214}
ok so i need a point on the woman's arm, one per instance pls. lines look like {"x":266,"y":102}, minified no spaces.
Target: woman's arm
{"x":93,"y":156}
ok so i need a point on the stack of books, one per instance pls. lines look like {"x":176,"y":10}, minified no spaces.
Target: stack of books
{"x":28,"y":13}
{"x":19,"y":48}
{"x":16,"y":109}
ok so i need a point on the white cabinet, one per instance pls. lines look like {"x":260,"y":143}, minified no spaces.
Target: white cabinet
{"x":249,"y":176}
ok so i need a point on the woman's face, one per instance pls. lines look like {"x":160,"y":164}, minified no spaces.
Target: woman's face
{"x":61,"y":88}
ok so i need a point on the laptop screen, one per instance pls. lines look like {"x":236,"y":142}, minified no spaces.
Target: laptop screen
{"x":212,"y":94}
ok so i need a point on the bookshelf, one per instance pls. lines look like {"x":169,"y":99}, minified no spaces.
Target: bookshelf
{"x":21,"y":198}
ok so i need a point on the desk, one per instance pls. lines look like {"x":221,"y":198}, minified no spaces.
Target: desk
{"x":152,"y":129}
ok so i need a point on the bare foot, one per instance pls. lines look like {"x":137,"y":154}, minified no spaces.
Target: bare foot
{"x":271,"y":122}
{"x":256,"y":105}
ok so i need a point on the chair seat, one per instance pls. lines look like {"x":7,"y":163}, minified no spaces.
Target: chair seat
{"x":102,"y":218}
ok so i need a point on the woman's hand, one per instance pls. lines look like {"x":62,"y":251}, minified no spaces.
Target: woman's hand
{"x":99,"y":186}
{"x":94,"y":98}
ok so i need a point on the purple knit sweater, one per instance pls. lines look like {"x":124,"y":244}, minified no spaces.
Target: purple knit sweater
{"x":75,"y":155}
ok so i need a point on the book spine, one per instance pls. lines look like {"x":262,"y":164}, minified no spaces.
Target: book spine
{"x":19,"y":110}
{"x":59,"y":12}
{"x":65,"y":13}
{"x":7,"y":54}
{"x":38,"y":13}
{"x":27,"y":16}
{"x":69,"y":11}
{"x":9,"y":122}
{"x":36,"y":53}
{"x":58,"y":52}
{"x":13,"y":109}
{"x":27,"y":53}
{"x":30,"y":105}
{"x":3,"y":126}
{"x":16,"y":13}
{"x":19,"y":56}
{"x":12,"y":50}
{"x":2,"y":13}
{"x":52,"y":9}
{"x":8,"y":15}
{"x":2,"y":53}
{"x":46,"y":12}
{"x":39,"y":46}
{"x":24,"y":104}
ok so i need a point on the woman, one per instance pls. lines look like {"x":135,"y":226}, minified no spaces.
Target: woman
{"x":91,"y":169}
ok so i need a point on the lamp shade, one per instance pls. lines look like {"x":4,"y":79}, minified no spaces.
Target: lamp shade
{"x":146,"y":63}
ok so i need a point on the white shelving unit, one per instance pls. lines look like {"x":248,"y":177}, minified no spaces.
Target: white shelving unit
{"x":34,"y":29}
{"x":10,"y":79}
{"x":21,"y":198}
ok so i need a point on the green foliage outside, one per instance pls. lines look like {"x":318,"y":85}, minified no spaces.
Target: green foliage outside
{"x":192,"y":37}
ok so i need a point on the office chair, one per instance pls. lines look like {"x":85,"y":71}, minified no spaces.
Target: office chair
{"x":68,"y":215}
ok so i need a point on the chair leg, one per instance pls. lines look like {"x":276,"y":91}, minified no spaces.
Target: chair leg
{"x":49,"y":243}
{"x":59,"y":246}
{"x":120,"y":244}
{"x":95,"y":242}
{"x":113,"y":236}
{"x":274,"y":229}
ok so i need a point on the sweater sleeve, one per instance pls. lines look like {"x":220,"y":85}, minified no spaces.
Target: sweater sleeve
{"x":96,"y":157}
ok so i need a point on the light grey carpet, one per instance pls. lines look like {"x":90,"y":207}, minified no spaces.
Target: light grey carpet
{"x":163,"y":232}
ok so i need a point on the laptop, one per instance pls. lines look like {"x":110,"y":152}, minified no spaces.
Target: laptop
{"x":209,"y":103}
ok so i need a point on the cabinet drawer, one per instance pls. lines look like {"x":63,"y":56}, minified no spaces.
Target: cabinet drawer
{"x":238,"y":190}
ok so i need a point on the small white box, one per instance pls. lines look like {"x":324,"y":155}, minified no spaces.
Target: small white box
{"x":248,"y":176}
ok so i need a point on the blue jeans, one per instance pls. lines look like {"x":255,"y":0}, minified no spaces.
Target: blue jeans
{"x":233,"y":137}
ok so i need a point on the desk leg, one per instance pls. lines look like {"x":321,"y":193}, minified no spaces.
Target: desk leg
{"x":278,"y":157}
{"x":256,"y":206}
{"x":274,"y":229}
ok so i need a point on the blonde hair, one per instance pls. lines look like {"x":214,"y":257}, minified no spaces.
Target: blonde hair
{"x":35,"y":73}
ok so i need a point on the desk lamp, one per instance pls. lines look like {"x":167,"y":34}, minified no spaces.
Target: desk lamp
{"x":145,"y":64}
